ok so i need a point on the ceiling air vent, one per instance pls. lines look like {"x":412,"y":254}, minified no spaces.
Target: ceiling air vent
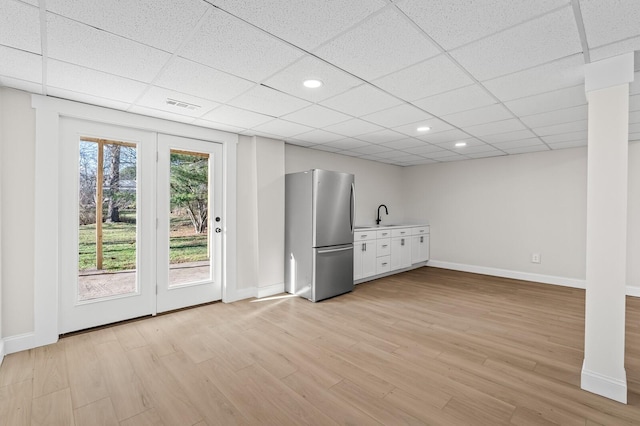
{"x":182,"y":104}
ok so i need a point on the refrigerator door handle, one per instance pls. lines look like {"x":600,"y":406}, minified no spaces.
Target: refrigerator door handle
{"x":353,"y":205}
{"x":334,"y":250}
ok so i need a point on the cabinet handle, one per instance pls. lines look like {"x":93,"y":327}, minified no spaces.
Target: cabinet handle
{"x":384,"y":264}
{"x":384,"y":245}
{"x":364,"y":247}
{"x":422,"y":239}
{"x":402,"y":242}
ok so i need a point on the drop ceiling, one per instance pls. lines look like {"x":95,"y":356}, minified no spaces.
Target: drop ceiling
{"x":505,"y":76}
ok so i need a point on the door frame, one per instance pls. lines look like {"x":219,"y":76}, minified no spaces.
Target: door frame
{"x":47,"y":139}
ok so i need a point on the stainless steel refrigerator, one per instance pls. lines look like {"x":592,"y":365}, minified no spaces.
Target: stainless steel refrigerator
{"x":319,"y":222}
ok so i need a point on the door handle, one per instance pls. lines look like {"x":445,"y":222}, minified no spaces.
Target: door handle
{"x":335,"y":250}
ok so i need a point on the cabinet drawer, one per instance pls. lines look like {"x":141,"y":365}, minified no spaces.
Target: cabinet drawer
{"x":364,"y":235}
{"x":385,"y":233}
{"x":383,"y":247}
{"x":383,"y":265}
{"x":420,"y":230}
{"x":402,"y":232}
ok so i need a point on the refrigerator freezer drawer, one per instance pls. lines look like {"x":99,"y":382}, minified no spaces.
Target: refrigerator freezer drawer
{"x":333,"y":271}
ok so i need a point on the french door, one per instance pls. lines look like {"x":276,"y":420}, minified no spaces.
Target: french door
{"x":138,"y":223}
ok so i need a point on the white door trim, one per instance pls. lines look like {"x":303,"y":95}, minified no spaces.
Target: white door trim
{"x":46,"y":270}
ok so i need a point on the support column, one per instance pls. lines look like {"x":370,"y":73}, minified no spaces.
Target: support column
{"x":607,"y":89}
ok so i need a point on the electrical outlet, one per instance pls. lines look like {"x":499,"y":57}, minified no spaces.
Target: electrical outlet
{"x":535,"y":257}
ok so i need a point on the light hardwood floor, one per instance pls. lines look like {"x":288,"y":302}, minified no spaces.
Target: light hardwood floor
{"x":428,"y":346}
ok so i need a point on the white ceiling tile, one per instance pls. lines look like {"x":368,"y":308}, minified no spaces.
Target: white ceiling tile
{"x":221,"y":37}
{"x":557,"y":129}
{"x":449,"y":135}
{"x":353,"y":127}
{"x":441,"y":155}
{"x":334,"y":80}
{"x":200,"y":80}
{"x":351,"y":153}
{"x":380,"y":45}
{"x":86,"y":99}
{"x":306,"y":24}
{"x":518,"y":143}
{"x":535,"y":42}
{"x":89,"y":47}
{"x":486,"y":154}
{"x":435,"y":125}
{"x":486,"y":114}
{"x":425,"y":149}
{"x":316,"y":116}
{"x":527,"y":149}
{"x":218,"y":126}
{"x":614,"y":49}
{"x":508,"y":136}
{"x":155,"y":23}
{"x":397,"y":116}
{"x":20,"y":26}
{"x":634,"y":103}
{"x":268,"y":101}
{"x":477,"y":149}
{"x":237,"y":117}
{"x":566,"y":137}
{"x":381,"y":136}
{"x":556,"y":117}
{"x":462,"y":99}
{"x":372,"y":149}
{"x":403,"y":143}
{"x":495,"y":128}
{"x":31,"y":2}
{"x":348,"y":143}
{"x":27,"y":86}
{"x":424,"y":79}
{"x":565,"y":72}
{"x":634,"y":117}
{"x":606,"y":21}
{"x":156,"y":98}
{"x":319,"y":136}
{"x":453,"y":23}
{"x":361,"y":100}
{"x":471,"y":142}
{"x":388,"y":155}
{"x":283,"y":128}
{"x":570,"y":144}
{"x":95,"y":83}
{"x":406,"y":158}
{"x":20,"y":64}
{"x":322,"y":147}
{"x":153,"y":112}
{"x":551,"y":101}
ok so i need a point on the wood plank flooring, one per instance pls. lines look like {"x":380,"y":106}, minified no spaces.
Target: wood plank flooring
{"x":428,"y":346}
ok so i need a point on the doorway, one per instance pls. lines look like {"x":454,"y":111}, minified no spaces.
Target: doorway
{"x":138,"y":223}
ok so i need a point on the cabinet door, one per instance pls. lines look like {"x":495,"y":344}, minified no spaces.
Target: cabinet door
{"x":419,"y":248}
{"x":400,"y":253}
{"x":364,"y":259}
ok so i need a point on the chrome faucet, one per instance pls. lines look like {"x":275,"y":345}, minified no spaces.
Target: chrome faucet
{"x":386,"y":211}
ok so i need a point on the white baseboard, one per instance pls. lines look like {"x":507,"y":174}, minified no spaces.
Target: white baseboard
{"x":633,"y":291}
{"x":20,"y":342}
{"x":239,"y":294}
{"x":608,"y":387}
{"x":506,"y":273}
{"x":270,"y":290}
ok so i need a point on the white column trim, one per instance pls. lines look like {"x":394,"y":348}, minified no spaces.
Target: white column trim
{"x":609,"y":72}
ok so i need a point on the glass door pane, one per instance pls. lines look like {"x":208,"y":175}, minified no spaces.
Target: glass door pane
{"x":107,"y":246}
{"x":189,"y":241}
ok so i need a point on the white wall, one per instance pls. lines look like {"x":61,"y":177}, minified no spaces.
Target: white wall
{"x":260,"y":215}
{"x":496,"y":212}
{"x":18,"y":183}
{"x":376,"y":183}
{"x":633,"y":219}
{"x":1,"y":144}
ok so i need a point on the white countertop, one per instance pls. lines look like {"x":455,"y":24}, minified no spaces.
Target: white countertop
{"x":376,"y":227}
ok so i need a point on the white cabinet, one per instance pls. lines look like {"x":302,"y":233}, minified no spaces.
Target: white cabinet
{"x":364,"y":255}
{"x":400,"y":252}
{"x":379,"y":252}
{"x":419,"y":248}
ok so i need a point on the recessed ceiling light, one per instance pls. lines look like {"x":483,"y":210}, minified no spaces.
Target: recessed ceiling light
{"x":182,"y":104}
{"x":423,"y":129}
{"x":461,"y":144}
{"x":312,"y":84}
